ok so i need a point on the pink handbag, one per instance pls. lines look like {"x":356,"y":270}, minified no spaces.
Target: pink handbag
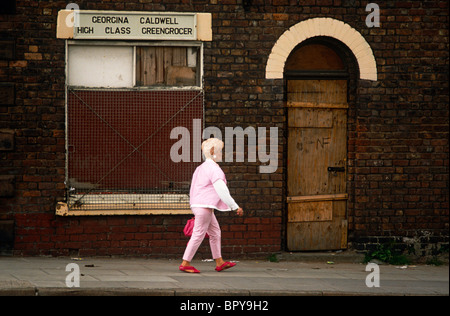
{"x":190,"y":227}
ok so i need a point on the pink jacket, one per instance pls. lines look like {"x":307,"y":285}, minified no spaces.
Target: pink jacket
{"x":202,"y":193}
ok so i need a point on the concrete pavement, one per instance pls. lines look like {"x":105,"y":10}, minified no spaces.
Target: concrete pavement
{"x":41,"y":276}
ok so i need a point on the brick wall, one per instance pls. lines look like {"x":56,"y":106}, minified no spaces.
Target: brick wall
{"x":398,"y":129}
{"x":400,"y":138}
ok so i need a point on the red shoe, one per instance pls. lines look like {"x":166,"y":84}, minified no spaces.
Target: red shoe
{"x":188,"y":269}
{"x":225,"y":266}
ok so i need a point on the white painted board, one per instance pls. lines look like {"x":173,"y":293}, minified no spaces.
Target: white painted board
{"x":100,"y":66}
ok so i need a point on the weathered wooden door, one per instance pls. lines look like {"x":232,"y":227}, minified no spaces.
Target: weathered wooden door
{"x":317,"y":161}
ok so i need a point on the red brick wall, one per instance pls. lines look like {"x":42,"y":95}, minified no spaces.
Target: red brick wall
{"x":400,"y":138}
{"x":398,"y":128}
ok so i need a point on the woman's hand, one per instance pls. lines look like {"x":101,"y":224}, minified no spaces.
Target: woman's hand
{"x":240,"y":211}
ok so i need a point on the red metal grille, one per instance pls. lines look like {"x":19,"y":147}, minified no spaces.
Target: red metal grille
{"x":119,"y":143}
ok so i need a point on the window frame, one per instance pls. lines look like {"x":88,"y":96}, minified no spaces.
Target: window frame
{"x":134,"y":44}
{"x":62,"y":208}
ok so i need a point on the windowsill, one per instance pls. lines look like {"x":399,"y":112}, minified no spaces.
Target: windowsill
{"x":63,"y":210}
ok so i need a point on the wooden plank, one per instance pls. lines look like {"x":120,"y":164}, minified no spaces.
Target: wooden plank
{"x":63,"y":210}
{"x":319,"y":144}
{"x":303,"y":236}
{"x":312,"y":211}
{"x":312,"y":150}
{"x":308,"y":160}
{"x":318,"y":91}
{"x":316,"y":105}
{"x":340,"y":209}
{"x":179,"y":57}
{"x":163,"y":66}
{"x":159,"y":65}
{"x":337,"y":181}
{"x":320,"y":118}
{"x":146,"y":65}
{"x":133,"y":206}
{"x":150,"y":66}
{"x":310,"y":198}
{"x":180,"y":76}
{"x":168,"y":56}
{"x":320,"y":234}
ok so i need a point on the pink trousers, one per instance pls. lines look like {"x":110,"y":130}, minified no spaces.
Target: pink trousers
{"x":205,"y":222}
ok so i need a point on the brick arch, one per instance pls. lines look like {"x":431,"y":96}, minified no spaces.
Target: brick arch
{"x":322,"y":27}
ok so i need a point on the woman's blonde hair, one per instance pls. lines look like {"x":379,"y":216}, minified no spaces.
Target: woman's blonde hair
{"x":215,"y":143}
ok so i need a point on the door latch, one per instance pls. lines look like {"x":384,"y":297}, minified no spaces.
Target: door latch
{"x":336,"y":169}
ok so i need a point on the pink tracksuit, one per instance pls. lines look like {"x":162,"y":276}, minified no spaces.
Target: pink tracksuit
{"x":203,"y":201}
{"x":205,"y":222}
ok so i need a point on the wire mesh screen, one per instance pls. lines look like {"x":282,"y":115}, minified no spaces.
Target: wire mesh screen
{"x":119,"y":148}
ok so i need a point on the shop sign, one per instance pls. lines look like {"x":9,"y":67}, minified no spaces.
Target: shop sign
{"x":134,"y":25}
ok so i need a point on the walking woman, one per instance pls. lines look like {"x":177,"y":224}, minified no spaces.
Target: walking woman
{"x":209,"y":191}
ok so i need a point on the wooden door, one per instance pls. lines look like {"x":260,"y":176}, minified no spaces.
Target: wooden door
{"x":317,"y":161}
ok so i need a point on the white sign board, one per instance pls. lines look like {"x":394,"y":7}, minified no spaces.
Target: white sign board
{"x":134,"y":25}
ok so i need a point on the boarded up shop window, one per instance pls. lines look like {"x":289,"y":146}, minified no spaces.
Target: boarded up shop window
{"x":167,"y":66}
{"x":118,"y":131}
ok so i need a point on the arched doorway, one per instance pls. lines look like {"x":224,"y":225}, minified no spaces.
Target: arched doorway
{"x":325,"y":27}
{"x":317,"y":91}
